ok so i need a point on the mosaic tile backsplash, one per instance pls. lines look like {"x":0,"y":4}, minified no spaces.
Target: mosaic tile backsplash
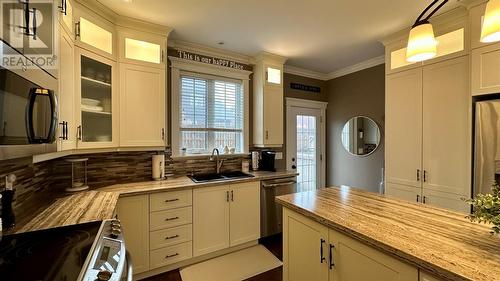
{"x":40,"y":183}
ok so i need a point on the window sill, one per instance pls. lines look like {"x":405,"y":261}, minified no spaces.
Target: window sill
{"x":207,"y":156}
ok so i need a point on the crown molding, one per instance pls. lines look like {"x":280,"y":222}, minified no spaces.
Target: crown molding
{"x":356,"y":67}
{"x":209,"y":51}
{"x":269,"y":57}
{"x":290,"y":69}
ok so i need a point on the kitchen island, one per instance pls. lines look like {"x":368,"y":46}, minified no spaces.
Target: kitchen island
{"x":409,"y":239}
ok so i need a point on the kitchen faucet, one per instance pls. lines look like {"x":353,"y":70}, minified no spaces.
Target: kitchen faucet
{"x":217,"y":161}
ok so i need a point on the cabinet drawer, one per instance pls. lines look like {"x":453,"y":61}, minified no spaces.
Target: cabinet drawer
{"x":171,"y":236}
{"x":171,"y":200}
{"x":170,"y":218}
{"x":169,"y":255}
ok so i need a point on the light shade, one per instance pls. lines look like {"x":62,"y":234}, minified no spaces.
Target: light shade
{"x":421,"y":43}
{"x":490,"y":31}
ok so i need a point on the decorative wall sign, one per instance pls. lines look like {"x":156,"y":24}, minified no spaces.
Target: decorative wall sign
{"x":209,"y":60}
{"x":306,"y":88}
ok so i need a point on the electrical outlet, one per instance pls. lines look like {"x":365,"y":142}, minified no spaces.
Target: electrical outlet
{"x":279,"y":155}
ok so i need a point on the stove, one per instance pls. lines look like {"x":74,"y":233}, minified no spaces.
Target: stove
{"x":90,"y":251}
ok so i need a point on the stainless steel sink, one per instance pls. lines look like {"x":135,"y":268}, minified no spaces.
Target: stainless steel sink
{"x":201,"y":178}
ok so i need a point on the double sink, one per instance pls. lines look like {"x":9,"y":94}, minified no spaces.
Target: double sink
{"x":201,"y":178}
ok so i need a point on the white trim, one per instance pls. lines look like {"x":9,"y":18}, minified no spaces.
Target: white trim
{"x":179,"y":65}
{"x":308,"y":104}
{"x":357,"y":67}
{"x":305,"y":103}
{"x":209,"y":51}
{"x":290,"y":69}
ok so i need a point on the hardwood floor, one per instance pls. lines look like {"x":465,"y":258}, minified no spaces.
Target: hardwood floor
{"x":272,"y":243}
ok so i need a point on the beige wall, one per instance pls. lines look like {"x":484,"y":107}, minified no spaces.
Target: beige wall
{"x":360,"y":93}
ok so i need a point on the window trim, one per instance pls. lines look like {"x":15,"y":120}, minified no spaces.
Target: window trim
{"x":182,"y":67}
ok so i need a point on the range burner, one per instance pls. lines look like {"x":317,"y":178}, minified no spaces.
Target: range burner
{"x":49,"y":255}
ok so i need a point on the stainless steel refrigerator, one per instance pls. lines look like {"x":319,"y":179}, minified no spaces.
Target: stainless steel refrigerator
{"x":486,"y":145}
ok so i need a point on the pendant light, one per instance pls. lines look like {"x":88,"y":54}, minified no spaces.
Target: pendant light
{"x":490,"y":31}
{"x":422,"y":44}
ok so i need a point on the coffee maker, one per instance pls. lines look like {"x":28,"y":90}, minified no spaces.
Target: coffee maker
{"x":267,"y":161}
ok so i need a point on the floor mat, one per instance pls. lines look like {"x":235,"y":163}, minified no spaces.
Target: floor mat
{"x":235,"y":266}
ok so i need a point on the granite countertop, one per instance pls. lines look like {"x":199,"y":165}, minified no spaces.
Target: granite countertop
{"x":438,"y":241}
{"x":184,"y":182}
{"x":99,"y":204}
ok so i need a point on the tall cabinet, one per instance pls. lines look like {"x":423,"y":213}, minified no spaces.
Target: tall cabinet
{"x":427,"y":134}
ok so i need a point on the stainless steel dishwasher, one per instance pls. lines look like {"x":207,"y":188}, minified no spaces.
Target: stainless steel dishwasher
{"x":270,"y":212}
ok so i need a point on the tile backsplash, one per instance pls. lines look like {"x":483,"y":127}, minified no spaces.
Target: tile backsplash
{"x":38,"y":184}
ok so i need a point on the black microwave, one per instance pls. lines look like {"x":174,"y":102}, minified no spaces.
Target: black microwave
{"x":28,"y":112}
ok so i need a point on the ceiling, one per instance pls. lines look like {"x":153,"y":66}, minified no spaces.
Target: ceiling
{"x":319,"y":35}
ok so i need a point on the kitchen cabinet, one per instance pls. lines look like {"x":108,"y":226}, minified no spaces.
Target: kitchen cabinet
{"x":141,"y":48}
{"x":311,"y":251}
{"x":424,"y":276}
{"x":268,"y":102}
{"x":67,"y":127}
{"x":94,"y":33}
{"x":403,"y":127}
{"x":133,"y":213}
{"x":210,"y":219}
{"x":225,"y":216}
{"x":96,"y":100}
{"x":476,"y":16}
{"x":428,"y":137}
{"x":485,"y":74}
{"x":65,"y":9}
{"x":142,"y":106}
{"x":305,"y":248}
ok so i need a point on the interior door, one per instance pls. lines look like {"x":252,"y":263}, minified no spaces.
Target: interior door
{"x":304,"y":146}
{"x":446,"y":123}
{"x":403,"y":128}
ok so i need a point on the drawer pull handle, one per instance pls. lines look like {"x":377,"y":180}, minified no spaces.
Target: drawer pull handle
{"x":171,"y":256}
{"x":171,"y":200}
{"x":171,"y":237}
{"x":171,"y":219}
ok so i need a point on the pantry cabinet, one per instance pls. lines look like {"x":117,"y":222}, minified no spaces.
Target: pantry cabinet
{"x":225,"y":216}
{"x":133,"y":213}
{"x":268,"y":100}
{"x":67,"y":127}
{"x":142,"y":106}
{"x":311,"y":251}
{"x":428,"y":139}
{"x":96,"y":100}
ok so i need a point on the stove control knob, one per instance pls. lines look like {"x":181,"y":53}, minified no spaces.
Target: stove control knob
{"x":114,"y":233}
{"x":104,"y":275}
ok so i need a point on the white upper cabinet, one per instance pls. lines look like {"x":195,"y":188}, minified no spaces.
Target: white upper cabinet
{"x":65,"y":8}
{"x":95,"y":33}
{"x":403,"y":128}
{"x":268,"y":99}
{"x":67,"y":127}
{"x":96,"y":100}
{"x":446,"y":127}
{"x":141,"y":48}
{"x":485,"y":70}
{"x":142,"y":106}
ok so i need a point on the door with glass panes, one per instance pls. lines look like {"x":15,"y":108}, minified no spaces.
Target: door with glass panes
{"x":96,"y":100}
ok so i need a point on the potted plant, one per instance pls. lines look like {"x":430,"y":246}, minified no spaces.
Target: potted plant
{"x":486,"y":208}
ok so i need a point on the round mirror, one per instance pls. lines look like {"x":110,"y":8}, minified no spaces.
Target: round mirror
{"x":360,"y":136}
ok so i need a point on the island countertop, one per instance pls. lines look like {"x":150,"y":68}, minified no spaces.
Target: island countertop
{"x":438,"y":241}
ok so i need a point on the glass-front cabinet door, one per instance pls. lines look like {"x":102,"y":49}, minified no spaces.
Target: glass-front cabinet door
{"x":97,"y":110}
{"x":142,"y":49}
{"x":94,"y":33}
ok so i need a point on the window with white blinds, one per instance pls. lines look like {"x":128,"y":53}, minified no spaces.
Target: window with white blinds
{"x":212,"y":112}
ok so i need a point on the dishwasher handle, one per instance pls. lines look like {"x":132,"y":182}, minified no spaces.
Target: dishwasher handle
{"x":271,"y":185}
